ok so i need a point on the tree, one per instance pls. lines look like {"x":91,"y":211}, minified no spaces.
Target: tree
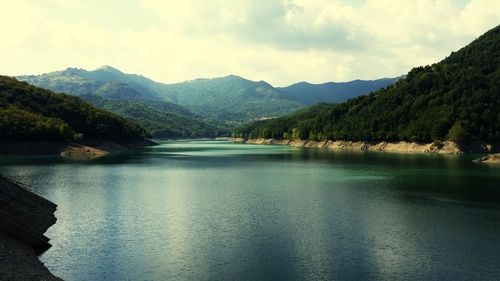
{"x":65,"y":131}
{"x":312,"y":136}
{"x":457,"y":133}
{"x":286,"y":136}
{"x":295,"y":134}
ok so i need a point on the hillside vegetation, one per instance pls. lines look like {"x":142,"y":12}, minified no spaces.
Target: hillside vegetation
{"x":457,"y":98}
{"x":225,"y":101}
{"x":161,"y":119}
{"x":29,"y":113}
{"x":231,"y":98}
{"x":129,"y":96}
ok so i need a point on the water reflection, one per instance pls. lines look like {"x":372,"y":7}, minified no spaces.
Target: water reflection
{"x":220,"y":211}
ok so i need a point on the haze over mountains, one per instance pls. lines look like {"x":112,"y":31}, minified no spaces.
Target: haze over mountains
{"x":310,"y":94}
{"x":200,"y":107}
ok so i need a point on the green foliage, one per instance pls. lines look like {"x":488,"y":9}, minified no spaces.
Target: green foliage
{"x":296,"y":134}
{"x":162,"y":119}
{"x":312,"y":136}
{"x":17,"y":124}
{"x":66,"y":132}
{"x":230,"y":98}
{"x":226,"y":101}
{"x":31,"y":113}
{"x":462,"y":89}
{"x":457,"y":133}
{"x":131,"y":96}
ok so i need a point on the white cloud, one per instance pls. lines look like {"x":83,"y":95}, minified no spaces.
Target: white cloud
{"x":278,"y":41}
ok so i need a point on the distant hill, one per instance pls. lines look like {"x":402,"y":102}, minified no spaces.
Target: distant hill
{"x":229,"y":100}
{"x":105,"y":82}
{"x":457,"y":98}
{"x":127,"y":95}
{"x":310,"y":94}
{"x":29,"y":113}
{"x":161,"y":119}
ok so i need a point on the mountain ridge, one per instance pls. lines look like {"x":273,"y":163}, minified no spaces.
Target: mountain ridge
{"x":455,"y":99}
{"x":228,"y":100}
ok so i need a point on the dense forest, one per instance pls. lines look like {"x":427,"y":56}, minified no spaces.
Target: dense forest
{"x":231,"y":98}
{"x":131,"y":96}
{"x":161,"y":119}
{"x":457,"y":98}
{"x":29,"y":113}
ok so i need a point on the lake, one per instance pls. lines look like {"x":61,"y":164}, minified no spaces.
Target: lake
{"x":214,"y":210}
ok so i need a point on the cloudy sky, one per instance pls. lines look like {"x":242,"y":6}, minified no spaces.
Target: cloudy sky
{"x":280,"y":41}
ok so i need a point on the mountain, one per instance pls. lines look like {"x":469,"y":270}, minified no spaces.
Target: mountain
{"x":161,"y":119}
{"x":310,"y":94}
{"x":105,"y":81}
{"x":29,"y":113}
{"x":229,"y":100}
{"x":457,"y":98}
{"x":127,"y":95}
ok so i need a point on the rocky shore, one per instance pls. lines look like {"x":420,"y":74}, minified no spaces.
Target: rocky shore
{"x":490,"y":159}
{"x":447,"y":147}
{"x":78,"y":151}
{"x":24,"y":218}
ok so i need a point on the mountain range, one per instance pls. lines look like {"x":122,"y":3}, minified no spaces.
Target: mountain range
{"x":310,"y":94}
{"x":200,"y":107}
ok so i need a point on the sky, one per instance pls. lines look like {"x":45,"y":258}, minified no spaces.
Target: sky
{"x":279,"y":41}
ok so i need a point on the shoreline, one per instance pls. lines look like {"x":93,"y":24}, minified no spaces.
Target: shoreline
{"x":446,"y":147}
{"x":24,"y":218}
{"x":492,"y":159}
{"x":87,"y":150}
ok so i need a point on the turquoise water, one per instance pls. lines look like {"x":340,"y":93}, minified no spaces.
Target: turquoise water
{"x":208,"y":210}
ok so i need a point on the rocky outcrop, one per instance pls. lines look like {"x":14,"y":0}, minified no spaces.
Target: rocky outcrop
{"x":24,"y":218}
{"x":489,"y":159}
{"x":447,"y":147}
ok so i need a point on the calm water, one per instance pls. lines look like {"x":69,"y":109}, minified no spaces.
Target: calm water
{"x":205,"y":210}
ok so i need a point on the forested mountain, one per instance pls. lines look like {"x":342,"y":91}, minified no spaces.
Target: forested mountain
{"x":29,"y":113}
{"x":127,"y":95}
{"x":227,"y":100}
{"x":310,"y":94}
{"x":106,"y":82}
{"x":457,"y":98}
{"x":230,"y":98}
{"x":161,"y":119}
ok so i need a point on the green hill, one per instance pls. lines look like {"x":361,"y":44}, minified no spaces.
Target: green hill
{"x":105,"y":82}
{"x":231,"y":98}
{"x":227,"y":101}
{"x":161,"y":119}
{"x":127,"y":95}
{"x":457,"y":98}
{"x":29,"y":113}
